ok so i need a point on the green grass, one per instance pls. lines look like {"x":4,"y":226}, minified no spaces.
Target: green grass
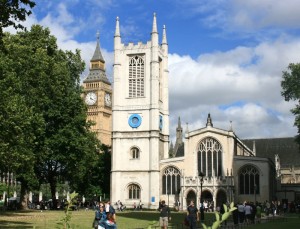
{"x":125,"y":220}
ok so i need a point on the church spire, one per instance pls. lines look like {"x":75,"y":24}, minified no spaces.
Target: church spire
{"x":117,"y":32}
{"x":154,"y":26}
{"x":209,"y":121}
{"x":164,"y":38}
{"x":179,"y":132}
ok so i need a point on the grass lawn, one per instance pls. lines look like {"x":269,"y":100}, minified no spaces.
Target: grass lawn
{"x":125,"y":220}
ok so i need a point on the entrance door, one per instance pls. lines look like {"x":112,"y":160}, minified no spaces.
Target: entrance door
{"x":221,"y":198}
{"x":191,"y":196}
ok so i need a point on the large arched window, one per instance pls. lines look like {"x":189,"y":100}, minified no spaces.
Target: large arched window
{"x":210,"y":157}
{"x":248,"y":180}
{"x":134,"y":191}
{"x":136,"y":76}
{"x":171,"y":181}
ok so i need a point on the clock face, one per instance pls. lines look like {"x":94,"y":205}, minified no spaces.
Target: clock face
{"x":107,"y":99}
{"x":91,"y":98}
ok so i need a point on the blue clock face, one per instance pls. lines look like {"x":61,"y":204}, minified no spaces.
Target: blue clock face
{"x":135,"y":120}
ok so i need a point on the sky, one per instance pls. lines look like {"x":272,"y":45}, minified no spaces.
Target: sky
{"x":226,"y":57}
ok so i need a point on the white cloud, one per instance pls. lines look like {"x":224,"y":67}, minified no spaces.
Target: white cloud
{"x":242,"y":85}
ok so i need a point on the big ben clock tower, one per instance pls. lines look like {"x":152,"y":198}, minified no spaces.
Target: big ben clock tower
{"x":97,"y":96}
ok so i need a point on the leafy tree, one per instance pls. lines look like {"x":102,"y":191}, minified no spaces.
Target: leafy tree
{"x":291,"y":91}
{"x":48,"y":83}
{"x":13,"y":11}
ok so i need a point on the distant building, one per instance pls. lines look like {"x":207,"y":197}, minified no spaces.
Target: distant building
{"x":98,"y":97}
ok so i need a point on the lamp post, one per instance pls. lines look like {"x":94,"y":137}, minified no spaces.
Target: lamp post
{"x":201,"y":175}
{"x":254,"y":194}
{"x":168,"y":196}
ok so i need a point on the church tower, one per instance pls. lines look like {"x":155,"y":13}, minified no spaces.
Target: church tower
{"x":140,"y":134}
{"x":97,"y":95}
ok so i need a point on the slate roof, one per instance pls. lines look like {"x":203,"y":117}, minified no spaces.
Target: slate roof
{"x":97,"y":75}
{"x":180,"y":151}
{"x":286,"y":148}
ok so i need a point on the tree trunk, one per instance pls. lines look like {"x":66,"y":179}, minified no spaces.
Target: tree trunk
{"x":53,"y":192}
{"x":24,"y":197}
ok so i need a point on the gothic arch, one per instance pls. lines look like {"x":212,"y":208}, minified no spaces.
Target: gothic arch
{"x":133,"y":191}
{"x":134,"y":152}
{"x":171,"y":177}
{"x":221,"y":197}
{"x":249,"y":179}
{"x":210,"y":157}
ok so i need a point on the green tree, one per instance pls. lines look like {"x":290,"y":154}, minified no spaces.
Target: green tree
{"x":291,"y":91}
{"x":48,"y":82}
{"x":12,"y":12}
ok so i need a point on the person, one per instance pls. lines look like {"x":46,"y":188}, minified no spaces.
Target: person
{"x":164,"y":215}
{"x":248,"y":212}
{"x":241,"y":212}
{"x":258,"y":213}
{"x":109,"y":223}
{"x":100,"y":217}
{"x":134,"y":206}
{"x":192,"y":215}
{"x":140,"y":205}
{"x":110,"y":209}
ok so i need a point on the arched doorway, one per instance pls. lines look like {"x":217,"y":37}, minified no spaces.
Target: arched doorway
{"x":191,"y":196}
{"x":207,"y":196}
{"x":221,"y":198}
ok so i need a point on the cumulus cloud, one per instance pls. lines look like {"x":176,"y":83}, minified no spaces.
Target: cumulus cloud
{"x":240,"y":85}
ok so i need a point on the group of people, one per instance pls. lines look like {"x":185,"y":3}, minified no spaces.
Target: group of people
{"x":192,"y":215}
{"x":105,"y":216}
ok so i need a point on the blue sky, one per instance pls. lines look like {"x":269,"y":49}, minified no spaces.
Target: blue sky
{"x":228,"y":54}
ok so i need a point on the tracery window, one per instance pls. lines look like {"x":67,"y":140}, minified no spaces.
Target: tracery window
{"x":135,"y":153}
{"x":134,"y":191}
{"x":249,"y":180}
{"x":136,"y":77}
{"x":210,"y":157}
{"x":171,"y":181}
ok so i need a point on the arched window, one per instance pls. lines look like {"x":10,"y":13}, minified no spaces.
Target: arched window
{"x":210,"y":157}
{"x":136,"y":77}
{"x":134,"y":192}
{"x":249,"y":180}
{"x":135,"y":153}
{"x":171,"y":181}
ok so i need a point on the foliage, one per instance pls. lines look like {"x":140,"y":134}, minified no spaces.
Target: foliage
{"x":65,"y":221}
{"x":13,"y":11}
{"x":291,"y":91}
{"x":47,"y":137}
{"x":219,"y":219}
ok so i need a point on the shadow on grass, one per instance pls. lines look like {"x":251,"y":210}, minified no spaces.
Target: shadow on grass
{"x":14,"y":224}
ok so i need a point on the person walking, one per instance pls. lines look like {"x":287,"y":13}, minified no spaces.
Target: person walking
{"x":164,"y":215}
{"x":192,"y":215}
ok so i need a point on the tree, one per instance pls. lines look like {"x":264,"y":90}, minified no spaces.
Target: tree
{"x":291,"y":91}
{"x":13,"y":11}
{"x":48,"y":81}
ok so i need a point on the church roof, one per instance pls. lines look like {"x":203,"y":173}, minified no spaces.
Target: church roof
{"x":286,"y":148}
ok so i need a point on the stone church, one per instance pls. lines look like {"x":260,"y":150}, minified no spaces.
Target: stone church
{"x":208,"y":164}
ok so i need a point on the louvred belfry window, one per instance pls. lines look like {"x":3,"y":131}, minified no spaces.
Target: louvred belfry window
{"x":136,"y":76}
